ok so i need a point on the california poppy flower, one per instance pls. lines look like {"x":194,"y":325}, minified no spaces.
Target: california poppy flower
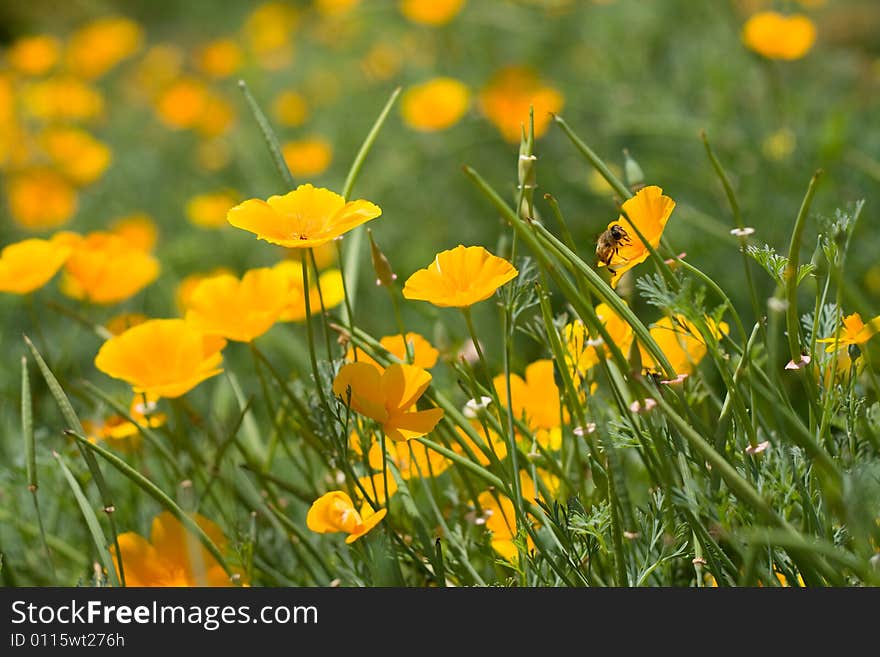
{"x":853,"y":332}
{"x":162,"y":357}
{"x":411,"y":458}
{"x":335,"y":512}
{"x":584,"y":352}
{"x":330,"y":283}
{"x":777,"y":36}
{"x":423,"y":353}
{"x":431,"y":12}
{"x":509,"y":95}
{"x":649,"y":210}
{"x":435,"y":105}
{"x":388,"y":397}
{"x":173,"y":556}
{"x":28,"y":265}
{"x":459,"y":277}
{"x":680,"y":342}
{"x":304,"y":218}
{"x":307,"y":157}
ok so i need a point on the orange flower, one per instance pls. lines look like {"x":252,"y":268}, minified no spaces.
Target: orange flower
{"x":777,"y":36}
{"x":209,"y":210}
{"x":431,"y":12}
{"x":220,"y":58}
{"x":304,"y":218}
{"x":535,"y":399}
{"x":62,"y":98}
{"x":187,"y":286}
{"x":649,"y":210}
{"x":493,"y":441}
{"x":388,"y":397}
{"x":424,"y":355}
{"x":34,"y":55}
{"x":411,"y":458}
{"x":28,"y":265}
{"x":172,"y":556}
{"x":375,"y":486}
{"x":435,"y":105}
{"x":138,"y":230}
{"x":217,"y":116}
{"x":506,"y":100}
{"x":329,"y":282}
{"x":100,"y":45}
{"x":182,"y":105}
{"x":81,"y":157}
{"x":307,"y":157}
{"x":40,"y":199}
{"x":268,"y":31}
{"x":459,"y":277}
{"x":335,"y":7}
{"x":290,"y":108}
{"x":104,"y":268}
{"x":853,"y":332}
{"x":236,"y":309}
{"x":681,"y":343}
{"x":584,"y":352}
{"x":335,"y":512}
{"x":162,"y":357}
{"x":122,"y":433}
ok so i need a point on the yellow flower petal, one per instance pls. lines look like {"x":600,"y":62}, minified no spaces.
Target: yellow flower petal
{"x":28,"y":265}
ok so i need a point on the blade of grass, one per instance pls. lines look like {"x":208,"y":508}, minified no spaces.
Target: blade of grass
{"x":268,"y":135}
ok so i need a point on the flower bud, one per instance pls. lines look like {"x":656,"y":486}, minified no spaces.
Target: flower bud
{"x":384,"y":275}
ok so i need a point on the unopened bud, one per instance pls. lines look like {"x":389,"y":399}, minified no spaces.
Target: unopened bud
{"x":384,"y":275}
{"x":635,"y":177}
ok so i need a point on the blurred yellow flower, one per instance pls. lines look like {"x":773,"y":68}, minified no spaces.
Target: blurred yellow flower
{"x":335,"y":7}
{"x":172,"y":556}
{"x":330,"y":283}
{"x":104,"y":268}
{"x":777,"y":36}
{"x":411,"y":458}
{"x":388,"y":397}
{"x":162,"y":357}
{"x":239,"y":309}
{"x":182,"y":104}
{"x":649,"y":210}
{"x":435,"y":105}
{"x":597,"y":183}
{"x":459,"y":277}
{"x":76,"y":153}
{"x":681,"y":343}
{"x":28,"y":265}
{"x":159,"y":67}
{"x":381,"y":62}
{"x":779,"y":144}
{"x":217,"y":116}
{"x":424,"y":355}
{"x":506,"y":99}
{"x":335,"y":512}
{"x":431,"y":12}
{"x":268,"y":31}
{"x":121,"y":323}
{"x":853,"y":332}
{"x":494,"y":442}
{"x":220,"y":58}
{"x":536,"y":400}
{"x":62,"y":98}
{"x":307,"y":157}
{"x":213,"y":154}
{"x":187,"y":286}
{"x":122,"y":433}
{"x":137,"y":230}
{"x":101,"y":44}
{"x":375,"y":486}
{"x":209,"y":210}
{"x":325,"y":255}
{"x":290,"y":109}
{"x":40,"y":198}
{"x":584,"y":352}
{"x":33,"y":55}
{"x":304,"y":218}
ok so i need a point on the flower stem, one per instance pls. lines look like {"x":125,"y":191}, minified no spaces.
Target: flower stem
{"x":311,"y":337}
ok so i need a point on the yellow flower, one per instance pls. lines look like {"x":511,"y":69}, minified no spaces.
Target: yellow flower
{"x":104,"y":268}
{"x":424,"y":355}
{"x":777,"y":36}
{"x":330,"y":283}
{"x":681,"y":343}
{"x":335,"y":512}
{"x":81,"y":157}
{"x":584,"y":352}
{"x":187,"y":286}
{"x":122,"y":433}
{"x":159,"y":67}
{"x":459,"y":277}
{"x":649,"y":210}
{"x":62,"y":98}
{"x":40,"y":199}
{"x":335,"y":7}
{"x":101,"y":44}
{"x":506,"y":99}
{"x":236,"y":309}
{"x":34,"y":55}
{"x":388,"y":397}
{"x":493,"y":441}
{"x":162,"y":357}
{"x":435,"y":105}
{"x":381,"y":62}
{"x":172,"y":556}
{"x":411,"y":458}
{"x":121,"y":323}
{"x":375,"y":486}
{"x":182,"y":105}
{"x":535,"y":399}
{"x":290,"y":109}
{"x":307,"y":157}
{"x":325,"y":255}
{"x":431,"y":12}
{"x":304,"y":218}
{"x":220,"y":58}
{"x":28,"y":265}
{"x":209,"y":210}
{"x":268,"y":31}
{"x":217,"y":116}
{"x":853,"y":332}
{"x":137,"y":230}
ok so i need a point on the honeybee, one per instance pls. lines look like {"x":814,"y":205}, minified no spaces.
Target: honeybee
{"x":610,"y":242}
